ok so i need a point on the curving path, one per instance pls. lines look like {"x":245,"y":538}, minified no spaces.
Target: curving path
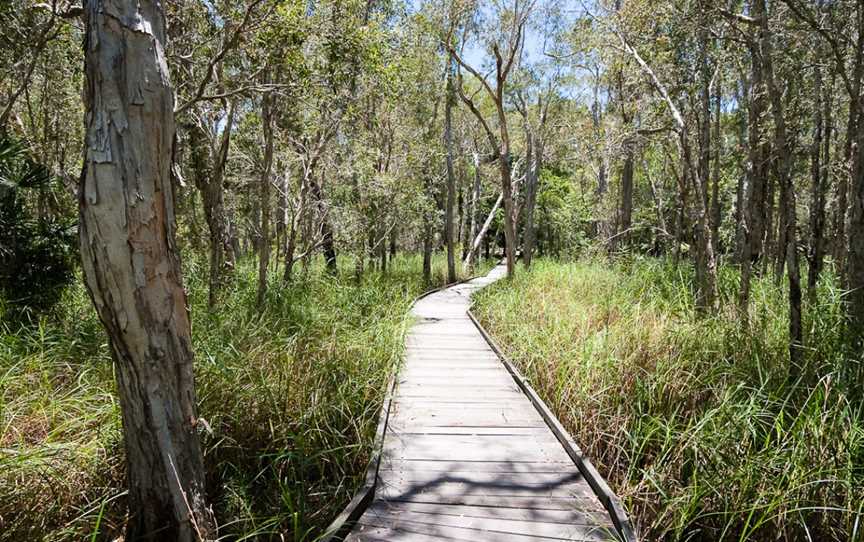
{"x":466,"y":455}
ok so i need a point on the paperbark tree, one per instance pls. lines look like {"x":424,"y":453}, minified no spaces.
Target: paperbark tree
{"x":208,"y":165}
{"x":132,"y":268}
{"x":706,"y":264}
{"x":264,"y":195}
{"x":818,"y":180}
{"x":535,"y":140}
{"x":471,"y":255}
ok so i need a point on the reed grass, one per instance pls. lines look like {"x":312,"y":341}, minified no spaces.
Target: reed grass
{"x":290,"y":392}
{"x":692,"y":418}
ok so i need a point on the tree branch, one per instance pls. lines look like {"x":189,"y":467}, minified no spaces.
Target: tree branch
{"x":229,"y":44}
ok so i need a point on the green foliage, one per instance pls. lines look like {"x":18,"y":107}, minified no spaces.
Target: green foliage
{"x":36,"y":254}
{"x":692,"y":419}
{"x":290,"y":394}
{"x":562,"y":213}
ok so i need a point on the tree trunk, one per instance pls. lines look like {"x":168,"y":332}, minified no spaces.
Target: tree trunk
{"x":327,"y":244}
{"x":471,"y":250}
{"x":481,"y":235}
{"x":509,"y":226}
{"x":852,"y":124}
{"x":427,"y":250}
{"x":817,"y":184}
{"x":132,"y":268}
{"x":855,"y":265}
{"x":718,"y":153}
{"x":754,"y":217}
{"x":704,"y":238}
{"x":296,"y":223}
{"x":209,"y":175}
{"x":382,"y":252}
{"x":658,"y":204}
{"x":533,"y":182}
{"x":267,"y":166}
{"x":451,"y":177}
{"x":625,"y":210}
{"x":783,"y":157}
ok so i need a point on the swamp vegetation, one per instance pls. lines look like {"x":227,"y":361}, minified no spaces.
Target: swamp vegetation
{"x":214,"y":216}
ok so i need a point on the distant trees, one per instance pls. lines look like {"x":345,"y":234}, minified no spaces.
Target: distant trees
{"x":764,"y":173}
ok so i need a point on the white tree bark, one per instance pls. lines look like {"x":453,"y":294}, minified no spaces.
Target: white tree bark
{"x":132,"y":268}
{"x":479,"y":239}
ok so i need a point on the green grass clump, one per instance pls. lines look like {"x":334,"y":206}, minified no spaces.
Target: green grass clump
{"x":291,"y":394}
{"x":693,"y":419}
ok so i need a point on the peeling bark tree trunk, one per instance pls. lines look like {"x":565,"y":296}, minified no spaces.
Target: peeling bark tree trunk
{"x":821,"y":112}
{"x":855,"y":264}
{"x":209,"y":175}
{"x":532,"y":183}
{"x":753,"y":219}
{"x":507,"y":192}
{"x":132,"y":268}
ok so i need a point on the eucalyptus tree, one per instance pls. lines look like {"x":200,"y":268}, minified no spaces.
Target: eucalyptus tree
{"x":504,"y":41}
{"x":206,"y":53}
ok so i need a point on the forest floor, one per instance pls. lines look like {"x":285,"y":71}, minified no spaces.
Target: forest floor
{"x":691,"y":418}
{"x":290,"y":393}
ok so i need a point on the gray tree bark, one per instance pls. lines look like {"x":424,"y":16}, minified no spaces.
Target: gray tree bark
{"x":783,"y":158}
{"x":208,"y":166}
{"x":818,"y":181}
{"x":451,"y":176}
{"x":264,"y":195}
{"x":132,"y":268}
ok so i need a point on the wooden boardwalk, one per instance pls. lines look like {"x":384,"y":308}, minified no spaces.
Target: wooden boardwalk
{"x":466,"y":455}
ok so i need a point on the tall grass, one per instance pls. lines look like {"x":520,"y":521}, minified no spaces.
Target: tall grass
{"x":692,"y":419}
{"x":290,"y":393}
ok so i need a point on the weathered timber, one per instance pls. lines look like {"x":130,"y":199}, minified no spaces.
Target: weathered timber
{"x":469,"y":452}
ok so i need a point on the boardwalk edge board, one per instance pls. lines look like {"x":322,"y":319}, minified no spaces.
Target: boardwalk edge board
{"x":607,"y":497}
{"x":341,"y":526}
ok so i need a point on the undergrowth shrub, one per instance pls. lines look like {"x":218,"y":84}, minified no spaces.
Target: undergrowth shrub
{"x":692,"y":419}
{"x":290,"y":394}
{"x":37,"y":251}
